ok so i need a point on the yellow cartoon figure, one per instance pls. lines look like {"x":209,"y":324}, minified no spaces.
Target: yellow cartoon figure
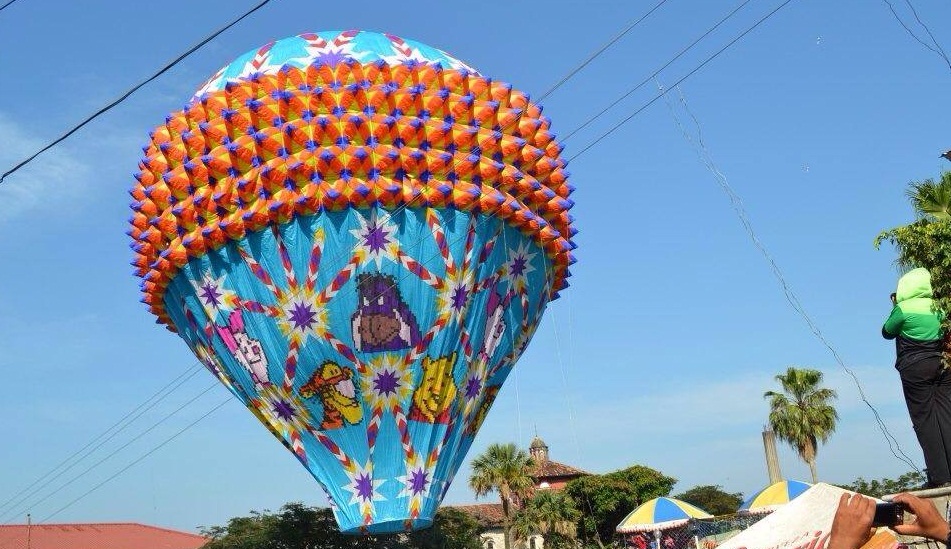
{"x":490,"y":393}
{"x":334,"y":385}
{"x":436,"y":391}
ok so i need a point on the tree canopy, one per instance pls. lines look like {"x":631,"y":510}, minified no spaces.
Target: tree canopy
{"x":549,"y":513}
{"x":606,"y":499}
{"x":926,"y":242}
{"x":504,"y":469}
{"x":911,"y":480}
{"x":297,"y":526}
{"x":802,"y":414}
{"x":712,"y":499}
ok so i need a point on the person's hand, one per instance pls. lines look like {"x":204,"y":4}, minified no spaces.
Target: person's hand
{"x":852,"y":525}
{"x":928,"y":521}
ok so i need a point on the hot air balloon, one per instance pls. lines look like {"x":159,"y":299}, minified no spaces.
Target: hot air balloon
{"x":357,"y":234}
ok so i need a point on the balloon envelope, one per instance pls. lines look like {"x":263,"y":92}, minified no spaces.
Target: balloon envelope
{"x":358,"y":235}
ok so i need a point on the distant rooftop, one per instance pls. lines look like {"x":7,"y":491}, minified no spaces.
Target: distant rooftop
{"x":553,"y":469}
{"x":96,"y":536}
{"x":488,"y":515}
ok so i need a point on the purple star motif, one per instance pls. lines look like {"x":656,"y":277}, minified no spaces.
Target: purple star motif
{"x":302,"y":316}
{"x":386,"y":382}
{"x":459,"y":298}
{"x":376,"y":238}
{"x":331,"y":58}
{"x":473,"y":387}
{"x":418,"y":481}
{"x":210,"y":293}
{"x":364,"y":486}
{"x":518,"y":266}
{"x":283,"y":409}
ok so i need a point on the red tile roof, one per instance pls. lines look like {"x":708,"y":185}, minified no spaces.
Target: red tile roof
{"x":96,"y":536}
{"x":488,"y":515}
{"x":552,"y":469}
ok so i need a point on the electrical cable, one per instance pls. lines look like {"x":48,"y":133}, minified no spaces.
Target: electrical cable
{"x":132,"y":90}
{"x":934,"y":40}
{"x":688,"y":75}
{"x":656,"y":72}
{"x":8,"y":4}
{"x":130,"y":465}
{"x":149,"y":403}
{"x":911,"y":33}
{"x":107,"y":457}
{"x":597,"y":53}
{"x":788,"y":292}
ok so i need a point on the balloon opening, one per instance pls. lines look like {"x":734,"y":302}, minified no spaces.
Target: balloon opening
{"x":387,"y":527}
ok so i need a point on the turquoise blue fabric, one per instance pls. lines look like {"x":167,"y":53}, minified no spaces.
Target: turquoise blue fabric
{"x":377,"y":375}
{"x":330,"y":47}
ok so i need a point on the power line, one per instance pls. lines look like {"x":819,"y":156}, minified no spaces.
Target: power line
{"x":688,"y":75}
{"x":934,"y":40}
{"x":737,"y":204}
{"x":129,"y":466}
{"x":937,"y":49}
{"x":135,"y":88}
{"x":656,"y":72}
{"x":118,"y":426}
{"x":108,"y":456}
{"x":5,"y":6}
{"x":600,"y":51}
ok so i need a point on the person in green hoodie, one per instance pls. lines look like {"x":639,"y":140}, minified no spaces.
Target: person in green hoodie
{"x":915,"y":325}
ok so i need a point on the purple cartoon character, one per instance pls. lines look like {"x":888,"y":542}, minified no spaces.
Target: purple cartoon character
{"x":246,"y":350}
{"x":495,"y":321}
{"x":383,"y":321}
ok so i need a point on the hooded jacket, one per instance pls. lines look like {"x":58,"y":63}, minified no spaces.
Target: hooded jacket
{"x":914,"y":323}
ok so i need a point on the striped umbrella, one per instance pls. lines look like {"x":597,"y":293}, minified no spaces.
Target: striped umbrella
{"x":773,"y":496}
{"x":660,"y":514}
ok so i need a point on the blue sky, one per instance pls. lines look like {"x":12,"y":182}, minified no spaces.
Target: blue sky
{"x":673,"y":326}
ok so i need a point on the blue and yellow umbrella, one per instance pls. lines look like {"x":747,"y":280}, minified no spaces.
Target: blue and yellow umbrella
{"x":773,"y":496}
{"x":660,"y":514}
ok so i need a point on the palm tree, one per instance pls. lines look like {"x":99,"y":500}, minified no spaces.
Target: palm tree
{"x":505,"y":469}
{"x":931,"y":199}
{"x":802,"y":415}
{"x":550,"y":513}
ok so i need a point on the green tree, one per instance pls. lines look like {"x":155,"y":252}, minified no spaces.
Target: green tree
{"x":549,"y":513}
{"x":931,"y":199}
{"x":712,"y":499}
{"x":452,"y":529}
{"x":606,"y":499}
{"x":242,"y":532}
{"x":297,"y":526}
{"x":911,"y":480}
{"x":802,"y":414}
{"x":505,"y":469}
{"x":926,"y":242}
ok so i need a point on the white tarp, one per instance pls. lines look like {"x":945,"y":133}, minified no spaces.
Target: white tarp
{"x":803,"y":523}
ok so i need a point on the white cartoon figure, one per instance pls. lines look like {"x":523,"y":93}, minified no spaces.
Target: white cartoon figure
{"x":495,"y":322}
{"x":246,"y":350}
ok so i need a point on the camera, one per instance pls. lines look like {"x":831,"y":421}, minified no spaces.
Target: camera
{"x":889,"y":514}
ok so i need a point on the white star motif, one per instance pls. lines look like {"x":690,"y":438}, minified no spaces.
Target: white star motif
{"x":214,"y":297}
{"x":376,"y":239}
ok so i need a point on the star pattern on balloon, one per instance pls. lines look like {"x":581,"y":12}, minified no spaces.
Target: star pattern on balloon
{"x":364,"y":489}
{"x":283,"y":410}
{"x":518,"y":267}
{"x":376,"y":238}
{"x":213,"y":295}
{"x":387,"y":381}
